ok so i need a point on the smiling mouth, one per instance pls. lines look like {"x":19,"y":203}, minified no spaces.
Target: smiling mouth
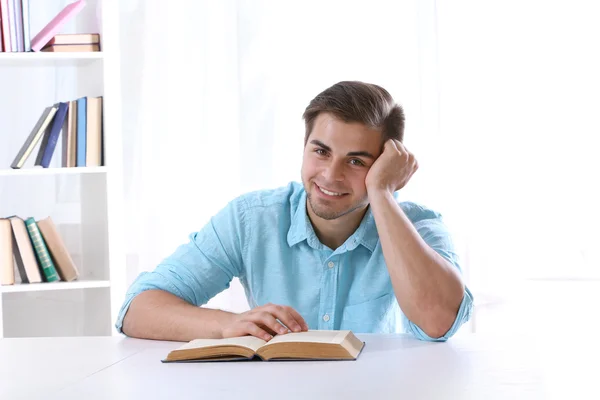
{"x":329,"y":192}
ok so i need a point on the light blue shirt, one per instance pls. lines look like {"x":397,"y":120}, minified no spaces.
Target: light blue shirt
{"x":265,"y":239}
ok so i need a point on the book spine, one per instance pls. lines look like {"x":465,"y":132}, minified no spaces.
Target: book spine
{"x":26,"y":29}
{"x":81,"y":131}
{"x":41,"y":251}
{"x":5,"y":27}
{"x":57,"y":126}
{"x":7,"y":271}
{"x":18,"y":20}
{"x":12,"y":25}
{"x":34,"y":137}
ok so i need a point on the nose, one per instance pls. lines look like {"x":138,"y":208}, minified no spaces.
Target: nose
{"x":333,"y":172}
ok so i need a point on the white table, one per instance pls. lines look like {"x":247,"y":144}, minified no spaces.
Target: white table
{"x":391,"y":366}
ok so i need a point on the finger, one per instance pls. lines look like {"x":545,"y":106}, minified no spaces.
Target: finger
{"x":401,"y":148}
{"x":265,"y":318}
{"x":256,"y":331}
{"x":296,"y":315}
{"x":286,"y":317}
{"x":390,"y":145}
{"x":411,"y":159}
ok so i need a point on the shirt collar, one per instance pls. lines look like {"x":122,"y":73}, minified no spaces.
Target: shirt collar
{"x":301,"y":229}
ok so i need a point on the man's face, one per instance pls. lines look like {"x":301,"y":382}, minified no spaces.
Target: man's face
{"x":336,"y":160}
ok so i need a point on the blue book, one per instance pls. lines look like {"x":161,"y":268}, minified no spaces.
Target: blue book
{"x":81,"y":131}
{"x":57,"y":124}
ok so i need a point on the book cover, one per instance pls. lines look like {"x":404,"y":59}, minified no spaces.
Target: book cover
{"x":53,"y":132}
{"x":27,"y":264}
{"x":75,"y":38}
{"x":7,"y":268}
{"x":12,"y":34}
{"x":69,"y":145}
{"x":18,"y":21}
{"x":4,"y":25}
{"x":81,"y":131}
{"x":58,"y":251}
{"x":54,"y":26}
{"x":26,"y":29}
{"x":94,"y":132}
{"x":69,"y":48}
{"x":34,"y":137}
{"x":41,"y":251}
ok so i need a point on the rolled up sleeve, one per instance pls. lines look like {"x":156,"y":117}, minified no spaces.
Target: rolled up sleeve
{"x":437,"y":236}
{"x":203,"y":267}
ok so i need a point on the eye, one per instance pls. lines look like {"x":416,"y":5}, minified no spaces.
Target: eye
{"x":357,"y":162}
{"x":320,"y":152}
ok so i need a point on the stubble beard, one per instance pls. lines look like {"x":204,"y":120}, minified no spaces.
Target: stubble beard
{"x":329,"y":215}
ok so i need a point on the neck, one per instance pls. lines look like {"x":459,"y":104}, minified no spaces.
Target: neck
{"x":333,"y":233}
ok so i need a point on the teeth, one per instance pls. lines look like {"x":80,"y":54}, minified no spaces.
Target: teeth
{"x":329,"y":193}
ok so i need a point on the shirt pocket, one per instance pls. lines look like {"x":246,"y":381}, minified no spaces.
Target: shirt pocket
{"x":371,"y":316}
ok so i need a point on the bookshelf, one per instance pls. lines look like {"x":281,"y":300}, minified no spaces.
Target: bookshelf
{"x":86,"y":203}
{"x":49,"y":59}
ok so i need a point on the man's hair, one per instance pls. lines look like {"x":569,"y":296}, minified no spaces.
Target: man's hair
{"x":354,"y":101}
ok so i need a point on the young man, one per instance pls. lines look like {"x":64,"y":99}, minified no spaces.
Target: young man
{"x":337,"y":252}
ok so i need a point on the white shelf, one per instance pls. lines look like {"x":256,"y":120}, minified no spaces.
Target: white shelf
{"x":52,"y":171}
{"x":43,"y":59}
{"x":38,"y":287}
{"x":90,"y":209}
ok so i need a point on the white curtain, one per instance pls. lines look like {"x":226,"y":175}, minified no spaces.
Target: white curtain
{"x":519,"y":88}
{"x":214,"y":93}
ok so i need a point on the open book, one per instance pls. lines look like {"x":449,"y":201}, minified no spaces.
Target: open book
{"x":311,"y":345}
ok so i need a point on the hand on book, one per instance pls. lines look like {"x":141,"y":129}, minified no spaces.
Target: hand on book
{"x":264,"y":322}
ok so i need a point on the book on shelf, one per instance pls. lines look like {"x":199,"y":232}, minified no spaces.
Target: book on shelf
{"x":74,"y":39}
{"x":34,"y":137}
{"x":39,"y":252}
{"x":27,"y":264}
{"x":51,"y":136}
{"x":81,"y":131}
{"x":15,"y":32}
{"x":56,"y":24}
{"x":7,"y":271}
{"x":1,"y":38}
{"x":69,"y":150}
{"x":71,"y":48}
{"x":80,"y":122}
{"x":4,"y":26}
{"x":58,"y":251}
{"x":310,"y":345}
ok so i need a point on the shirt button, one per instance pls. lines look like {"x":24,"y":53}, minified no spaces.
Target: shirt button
{"x":330,"y":264}
{"x":325,"y":317}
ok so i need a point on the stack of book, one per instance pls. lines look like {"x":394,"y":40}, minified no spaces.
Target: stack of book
{"x":15,"y":31}
{"x":80,"y":122}
{"x":38,"y":249}
{"x":73,"y":42}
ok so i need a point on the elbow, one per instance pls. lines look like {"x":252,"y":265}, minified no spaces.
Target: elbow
{"x":438,"y":325}
{"x":437,"y":332}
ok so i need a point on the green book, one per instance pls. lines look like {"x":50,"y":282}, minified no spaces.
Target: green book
{"x":41,"y":251}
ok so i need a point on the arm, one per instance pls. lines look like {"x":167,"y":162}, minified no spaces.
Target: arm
{"x":165,"y":304}
{"x":429,"y":289}
{"x":427,"y":285}
{"x":160,"y":315}
{"x":159,"y":303}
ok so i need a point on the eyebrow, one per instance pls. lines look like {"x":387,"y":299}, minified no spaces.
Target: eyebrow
{"x":350,"y":154}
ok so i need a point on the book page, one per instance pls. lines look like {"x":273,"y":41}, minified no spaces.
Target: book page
{"x":250,"y":342}
{"x":313,"y":336}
